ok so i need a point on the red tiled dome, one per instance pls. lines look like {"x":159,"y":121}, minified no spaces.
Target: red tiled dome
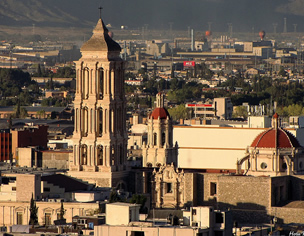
{"x":160,"y":112}
{"x":267,"y":139}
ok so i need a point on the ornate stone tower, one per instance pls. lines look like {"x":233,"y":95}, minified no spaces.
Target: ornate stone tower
{"x":159,"y":149}
{"x":100,"y":138}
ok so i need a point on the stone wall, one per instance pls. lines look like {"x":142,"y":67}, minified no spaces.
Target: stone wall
{"x":244,"y":192}
{"x":28,"y":185}
{"x":55,"y":159}
{"x":190,"y":189}
{"x":208,"y":197}
{"x":297,"y":187}
{"x":288,"y":215}
{"x":280,"y":190}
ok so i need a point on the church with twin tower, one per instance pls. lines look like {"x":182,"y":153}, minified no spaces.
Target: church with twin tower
{"x":100,"y":137}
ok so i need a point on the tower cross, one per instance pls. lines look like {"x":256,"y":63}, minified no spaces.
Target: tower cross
{"x":100,"y":8}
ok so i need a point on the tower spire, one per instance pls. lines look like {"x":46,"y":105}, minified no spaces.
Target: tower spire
{"x":100,"y":9}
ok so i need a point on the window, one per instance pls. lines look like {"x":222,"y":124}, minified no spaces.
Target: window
{"x":14,"y":188}
{"x":154,"y":139}
{"x":169,"y":188}
{"x":137,"y":233}
{"x":219,"y":219}
{"x":284,"y":166}
{"x":263,"y":165}
{"x":47,"y":218}
{"x":163,"y":139}
{"x":213,"y":189}
{"x":19,"y":218}
{"x":45,"y":189}
{"x":194,"y":212}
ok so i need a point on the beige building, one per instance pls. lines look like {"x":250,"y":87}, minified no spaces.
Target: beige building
{"x":15,"y":196}
{"x":100,"y":138}
{"x":120,"y":213}
{"x":219,"y":147}
{"x":203,"y":221}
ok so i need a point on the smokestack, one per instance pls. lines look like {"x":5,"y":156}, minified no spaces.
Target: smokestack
{"x":192,"y":40}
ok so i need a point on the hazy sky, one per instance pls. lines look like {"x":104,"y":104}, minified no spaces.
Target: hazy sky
{"x":243,"y":14}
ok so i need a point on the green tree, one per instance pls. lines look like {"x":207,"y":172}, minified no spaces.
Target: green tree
{"x":282,"y":71}
{"x":41,"y":114}
{"x":33,"y":212}
{"x":114,"y":197}
{"x":240,"y":111}
{"x":140,"y":199}
{"x":179,"y":112}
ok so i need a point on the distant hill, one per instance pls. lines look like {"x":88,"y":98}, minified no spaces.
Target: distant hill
{"x":243,"y":14}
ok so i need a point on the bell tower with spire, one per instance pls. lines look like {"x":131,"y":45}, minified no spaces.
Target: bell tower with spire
{"x":100,"y":138}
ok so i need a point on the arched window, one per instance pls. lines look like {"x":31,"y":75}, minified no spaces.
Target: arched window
{"x":84,"y":121}
{"x":100,"y":155}
{"x":155,"y":139}
{"x":163,"y":138}
{"x":100,"y":122}
{"x":100,"y":83}
{"x":85,"y":84}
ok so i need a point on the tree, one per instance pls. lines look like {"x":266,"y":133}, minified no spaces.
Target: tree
{"x":113,"y":197}
{"x":33,"y":212}
{"x":240,"y":111}
{"x":179,"y":112}
{"x":41,"y":114}
{"x":140,"y":199}
{"x":61,"y":213}
{"x":282,"y":71}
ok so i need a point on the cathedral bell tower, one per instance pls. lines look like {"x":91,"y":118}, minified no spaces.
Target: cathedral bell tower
{"x":100,"y":138}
